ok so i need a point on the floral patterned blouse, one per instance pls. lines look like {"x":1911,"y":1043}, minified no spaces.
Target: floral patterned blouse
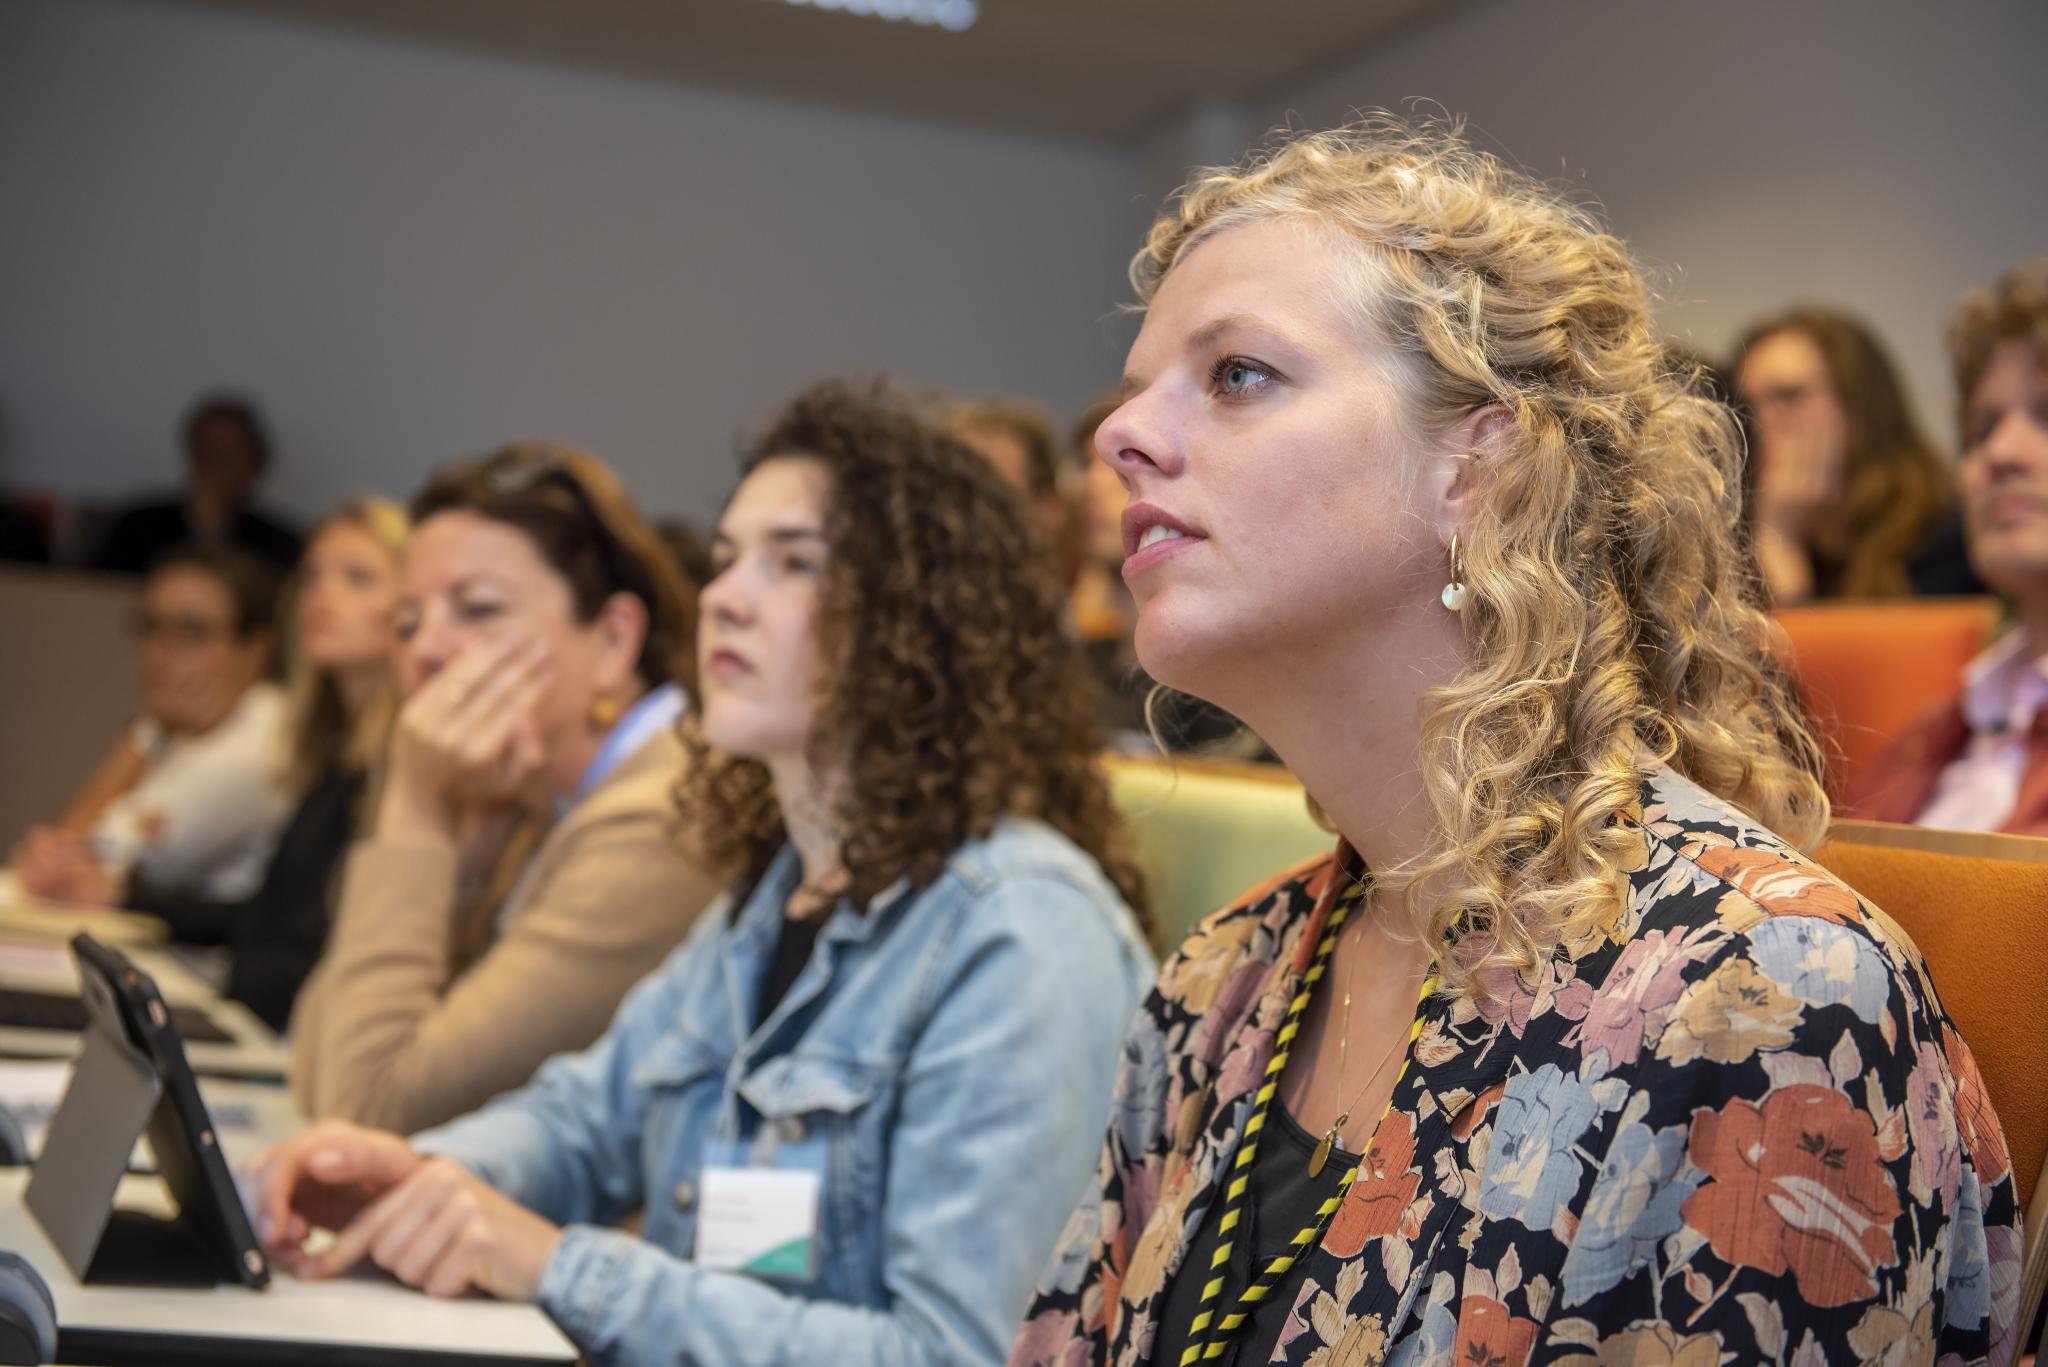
{"x":1738,"y":1127}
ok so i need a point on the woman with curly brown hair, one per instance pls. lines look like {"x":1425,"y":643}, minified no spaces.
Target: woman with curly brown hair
{"x":1416,"y":491}
{"x":856,"y":1106}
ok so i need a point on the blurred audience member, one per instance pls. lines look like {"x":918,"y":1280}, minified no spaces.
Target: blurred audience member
{"x":543,"y":631}
{"x":1848,"y":499}
{"x":227,"y":453}
{"x":1980,"y":762}
{"x":191,"y":798}
{"x":1017,"y":439}
{"x":341,"y":697}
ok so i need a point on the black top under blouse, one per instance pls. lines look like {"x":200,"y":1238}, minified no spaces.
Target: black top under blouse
{"x":1283,"y":1200}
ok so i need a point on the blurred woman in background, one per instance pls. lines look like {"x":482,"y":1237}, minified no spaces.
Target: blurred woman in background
{"x":1848,"y":498}
{"x":189,"y":802}
{"x":522,"y":869}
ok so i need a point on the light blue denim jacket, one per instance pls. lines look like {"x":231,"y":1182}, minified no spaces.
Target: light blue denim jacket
{"x":953,"y":1046}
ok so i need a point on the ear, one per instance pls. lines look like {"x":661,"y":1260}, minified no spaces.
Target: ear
{"x":621,"y":628}
{"x":1458,"y":474}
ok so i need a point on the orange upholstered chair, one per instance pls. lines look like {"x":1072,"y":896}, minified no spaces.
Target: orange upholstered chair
{"x":1867,"y":671}
{"x":1977,"y":906}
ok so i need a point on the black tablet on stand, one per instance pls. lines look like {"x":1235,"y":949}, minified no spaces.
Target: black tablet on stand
{"x":131,"y":1079}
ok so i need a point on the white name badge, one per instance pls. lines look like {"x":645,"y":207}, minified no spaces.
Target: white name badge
{"x":761,"y":1217}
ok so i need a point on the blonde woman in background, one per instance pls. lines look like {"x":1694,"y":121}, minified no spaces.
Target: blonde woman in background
{"x":339,"y":701}
{"x":1414,"y":491}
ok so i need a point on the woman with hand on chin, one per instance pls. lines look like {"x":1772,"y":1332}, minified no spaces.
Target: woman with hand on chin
{"x":543,"y":631}
{"x":897,"y":1034}
{"x":1566,"y":1053}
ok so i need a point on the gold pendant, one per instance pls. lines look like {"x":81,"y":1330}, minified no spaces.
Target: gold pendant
{"x":1321,"y":1156}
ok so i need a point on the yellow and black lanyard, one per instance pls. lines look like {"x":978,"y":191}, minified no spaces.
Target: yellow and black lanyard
{"x":1210,"y":1334}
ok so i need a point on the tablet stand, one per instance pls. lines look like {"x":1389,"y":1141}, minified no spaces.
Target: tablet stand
{"x":114,"y":1096}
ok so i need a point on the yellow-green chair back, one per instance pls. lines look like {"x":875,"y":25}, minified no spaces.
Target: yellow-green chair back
{"x":1204,"y":833}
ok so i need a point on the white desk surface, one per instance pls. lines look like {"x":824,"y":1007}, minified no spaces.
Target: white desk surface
{"x":35,"y":963}
{"x":367,"y":1314}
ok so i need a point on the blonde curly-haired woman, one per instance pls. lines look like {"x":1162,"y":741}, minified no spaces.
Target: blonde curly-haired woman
{"x":1566,"y":1053}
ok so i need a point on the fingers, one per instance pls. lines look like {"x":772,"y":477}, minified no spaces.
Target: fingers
{"x":397,"y":1212}
{"x":459,"y":726}
{"x":434,"y":1261}
{"x":334,"y":1158}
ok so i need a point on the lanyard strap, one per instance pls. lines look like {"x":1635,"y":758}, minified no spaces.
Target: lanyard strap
{"x":1210,"y":1334}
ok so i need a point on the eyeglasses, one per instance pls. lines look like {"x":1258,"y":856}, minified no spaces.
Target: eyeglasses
{"x":182,"y":631}
{"x":1781,"y":398}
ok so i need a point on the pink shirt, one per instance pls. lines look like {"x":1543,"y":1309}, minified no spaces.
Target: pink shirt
{"x":2002,"y":690}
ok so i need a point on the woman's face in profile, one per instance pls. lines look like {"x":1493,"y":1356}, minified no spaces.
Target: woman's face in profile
{"x":347,"y":593}
{"x":757,"y":633}
{"x":2004,"y":471}
{"x":1265,"y":427}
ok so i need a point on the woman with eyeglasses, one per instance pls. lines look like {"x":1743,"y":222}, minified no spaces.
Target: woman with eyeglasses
{"x":521,"y":870}
{"x":193,"y":794}
{"x":853,"y":1109}
{"x":339,"y":701}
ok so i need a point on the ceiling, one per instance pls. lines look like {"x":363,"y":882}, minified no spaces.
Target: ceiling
{"x":1097,"y":69}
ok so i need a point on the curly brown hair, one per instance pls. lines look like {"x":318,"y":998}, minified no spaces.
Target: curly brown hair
{"x":949,"y":691}
{"x":2016,"y":308}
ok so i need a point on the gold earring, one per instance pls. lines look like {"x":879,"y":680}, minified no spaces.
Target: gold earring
{"x":1454,"y":592}
{"x":604,"y":713}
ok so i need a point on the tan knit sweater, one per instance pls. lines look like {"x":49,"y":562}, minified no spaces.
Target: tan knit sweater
{"x":392,"y":1030}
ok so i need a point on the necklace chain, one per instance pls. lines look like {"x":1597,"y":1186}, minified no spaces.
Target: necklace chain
{"x":1328,"y":1142}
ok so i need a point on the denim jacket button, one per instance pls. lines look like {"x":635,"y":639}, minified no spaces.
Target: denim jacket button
{"x":792,"y":1130}
{"x":686,"y":1195}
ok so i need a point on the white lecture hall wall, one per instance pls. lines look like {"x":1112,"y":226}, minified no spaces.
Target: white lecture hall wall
{"x":410,"y":253}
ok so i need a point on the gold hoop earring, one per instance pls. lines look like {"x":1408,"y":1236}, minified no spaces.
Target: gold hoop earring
{"x":1454,"y":592}
{"x":604,"y":713}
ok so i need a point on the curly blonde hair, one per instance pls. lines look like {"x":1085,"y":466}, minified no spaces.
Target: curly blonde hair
{"x":1611,"y":614}
{"x":951,"y":693}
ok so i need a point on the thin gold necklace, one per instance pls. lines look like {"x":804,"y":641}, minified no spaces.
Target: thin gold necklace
{"x":1321,"y":1156}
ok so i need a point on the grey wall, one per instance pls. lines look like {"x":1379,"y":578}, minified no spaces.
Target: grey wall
{"x":410,"y":253}
{"x":1884,"y":154}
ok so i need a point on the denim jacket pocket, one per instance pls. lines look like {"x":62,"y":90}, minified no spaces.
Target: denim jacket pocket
{"x":841,"y":1103}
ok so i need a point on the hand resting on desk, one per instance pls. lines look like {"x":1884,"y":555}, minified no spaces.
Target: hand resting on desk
{"x":427,"y":1221}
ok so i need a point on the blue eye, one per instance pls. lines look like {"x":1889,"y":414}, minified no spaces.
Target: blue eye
{"x":1234,"y":376}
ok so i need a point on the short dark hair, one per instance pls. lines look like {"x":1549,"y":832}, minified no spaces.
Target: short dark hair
{"x":252,"y":585}
{"x":581,"y":520}
{"x":232,"y":408}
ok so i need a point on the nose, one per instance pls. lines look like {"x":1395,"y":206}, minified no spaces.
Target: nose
{"x":725,"y":599}
{"x":1136,"y":440}
{"x":2016,"y":443}
{"x":431,"y":645}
